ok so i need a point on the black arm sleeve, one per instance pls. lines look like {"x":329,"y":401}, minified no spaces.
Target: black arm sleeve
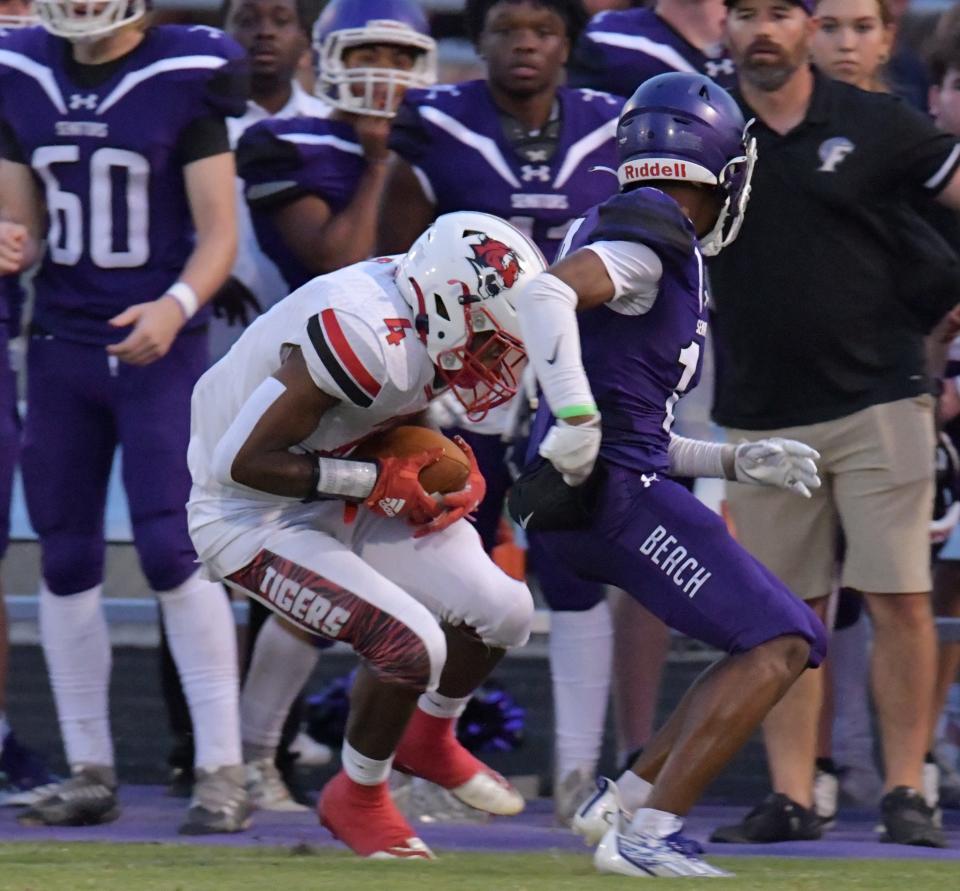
{"x":9,"y":144}
{"x":202,"y":138}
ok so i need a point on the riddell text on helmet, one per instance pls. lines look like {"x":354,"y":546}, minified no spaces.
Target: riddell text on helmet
{"x":655,"y":170}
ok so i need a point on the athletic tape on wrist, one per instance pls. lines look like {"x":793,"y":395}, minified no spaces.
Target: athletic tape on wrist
{"x":186,"y":297}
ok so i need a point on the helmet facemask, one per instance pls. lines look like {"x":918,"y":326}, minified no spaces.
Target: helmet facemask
{"x":735,"y":181}
{"x":484,"y":372}
{"x":79,"y":20}
{"x":336,"y":83}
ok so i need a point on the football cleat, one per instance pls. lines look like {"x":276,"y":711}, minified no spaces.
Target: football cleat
{"x":599,"y":813}
{"x":826,"y":793}
{"x":430,"y":750}
{"x":220,"y":803}
{"x":24,"y":777}
{"x":367,"y":821}
{"x":646,"y":856}
{"x":87,"y":798}
{"x":267,"y":790}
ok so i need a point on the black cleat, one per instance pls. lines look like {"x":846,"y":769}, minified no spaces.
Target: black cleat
{"x":909,"y":820}
{"x":776,"y":819}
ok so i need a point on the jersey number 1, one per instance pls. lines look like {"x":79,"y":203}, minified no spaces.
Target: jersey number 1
{"x":689,"y":358}
{"x":66,"y":209}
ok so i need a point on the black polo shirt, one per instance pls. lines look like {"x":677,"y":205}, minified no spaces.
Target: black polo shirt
{"x":809,"y":324}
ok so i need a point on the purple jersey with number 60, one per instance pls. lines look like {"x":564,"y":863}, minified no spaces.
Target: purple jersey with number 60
{"x":120,"y":228}
{"x":640,"y":365}
{"x":453,"y":137}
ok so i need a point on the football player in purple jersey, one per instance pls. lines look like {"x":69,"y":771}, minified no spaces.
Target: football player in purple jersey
{"x":615,"y":331}
{"x":23,"y":770}
{"x":530,"y":146}
{"x":314,"y":186}
{"x":621,"y":49}
{"x":123,"y":127}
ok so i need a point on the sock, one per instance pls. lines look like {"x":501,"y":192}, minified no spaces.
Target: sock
{"x":634,"y":791}
{"x":581,"y":646}
{"x":363,"y":770}
{"x":76,"y":646}
{"x":202,"y":638}
{"x":648,"y":821}
{"x":281,"y":665}
{"x":441,"y":706}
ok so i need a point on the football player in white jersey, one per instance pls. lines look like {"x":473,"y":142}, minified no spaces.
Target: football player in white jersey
{"x":350,"y":353}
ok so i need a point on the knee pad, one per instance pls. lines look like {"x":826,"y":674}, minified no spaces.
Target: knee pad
{"x":71,"y":563}
{"x":402,"y":654}
{"x":510,"y":615}
{"x":166,"y":553}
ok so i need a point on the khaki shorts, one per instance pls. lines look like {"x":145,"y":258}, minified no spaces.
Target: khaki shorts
{"x":877,"y":471}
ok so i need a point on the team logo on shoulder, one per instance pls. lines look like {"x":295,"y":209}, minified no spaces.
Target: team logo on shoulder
{"x":497,"y":265}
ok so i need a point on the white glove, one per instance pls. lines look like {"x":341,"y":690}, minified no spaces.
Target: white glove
{"x":785,"y":463}
{"x":573,"y":449}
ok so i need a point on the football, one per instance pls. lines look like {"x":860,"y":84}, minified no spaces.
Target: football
{"x":449,"y":474}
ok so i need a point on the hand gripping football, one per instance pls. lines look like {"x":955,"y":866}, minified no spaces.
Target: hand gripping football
{"x":449,"y":474}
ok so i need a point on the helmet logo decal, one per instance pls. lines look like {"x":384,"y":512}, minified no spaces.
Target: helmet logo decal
{"x":497,"y":265}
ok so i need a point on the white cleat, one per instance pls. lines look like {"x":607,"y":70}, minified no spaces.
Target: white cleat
{"x":598,"y":813}
{"x":490,"y":792}
{"x":267,"y":790}
{"x":412,"y":849}
{"x":652,"y":856}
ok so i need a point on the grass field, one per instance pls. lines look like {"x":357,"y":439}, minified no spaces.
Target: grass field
{"x":132,"y":867}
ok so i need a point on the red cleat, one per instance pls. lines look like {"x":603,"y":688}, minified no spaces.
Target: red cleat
{"x":367,"y":821}
{"x":429,"y":749}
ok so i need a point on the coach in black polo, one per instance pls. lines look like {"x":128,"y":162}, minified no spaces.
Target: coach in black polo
{"x":818,"y":342}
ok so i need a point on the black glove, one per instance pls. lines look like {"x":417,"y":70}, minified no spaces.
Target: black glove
{"x":234,"y":301}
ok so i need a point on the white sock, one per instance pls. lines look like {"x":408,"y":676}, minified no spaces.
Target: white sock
{"x":581,"y":648}
{"x":648,"y":821}
{"x":634,"y":791}
{"x":441,"y":706}
{"x":200,"y":631}
{"x":76,"y":645}
{"x":280,"y":666}
{"x":363,"y":770}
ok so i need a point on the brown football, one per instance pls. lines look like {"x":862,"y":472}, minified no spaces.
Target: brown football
{"x":449,"y":474}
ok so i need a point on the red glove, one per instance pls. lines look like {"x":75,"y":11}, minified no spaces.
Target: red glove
{"x":398,"y":492}
{"x":456,"y":505}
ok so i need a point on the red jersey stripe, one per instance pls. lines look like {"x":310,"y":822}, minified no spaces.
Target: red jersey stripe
{"x":341,"y":346}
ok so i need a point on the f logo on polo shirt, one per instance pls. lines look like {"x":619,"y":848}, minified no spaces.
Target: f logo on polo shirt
{"x":832,"y":152}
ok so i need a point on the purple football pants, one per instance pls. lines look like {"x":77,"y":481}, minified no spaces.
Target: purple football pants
{"x":655,"y":540}
{"x":80,"y":407}
{"x":562,"y":589}
{"x":9,"y":438}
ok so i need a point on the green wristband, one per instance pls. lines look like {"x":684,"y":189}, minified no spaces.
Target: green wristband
{"x":575,"y":411}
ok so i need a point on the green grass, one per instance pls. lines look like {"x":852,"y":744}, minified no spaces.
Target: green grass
{"x":143,"y":867}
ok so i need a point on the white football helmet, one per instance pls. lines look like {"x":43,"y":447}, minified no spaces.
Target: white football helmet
{"x":87,"y":19}
{"x":460,"y":277}
{"x":345,"y":24}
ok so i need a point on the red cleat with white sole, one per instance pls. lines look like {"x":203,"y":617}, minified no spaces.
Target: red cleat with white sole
{"x":429,"y":749}
{"x":367,"y":821}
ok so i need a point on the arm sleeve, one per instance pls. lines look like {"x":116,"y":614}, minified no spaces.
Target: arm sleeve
{"x":635,"y":271}
{"x":202,"y":138}
{"x":547,"y":310}
{"x":344,"y":356}
{"x":920,"y":155}
{"x":698,"y":458}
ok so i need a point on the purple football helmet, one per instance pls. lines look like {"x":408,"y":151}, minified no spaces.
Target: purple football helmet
{"x":684,"y":127}
{"x":345,"y":24}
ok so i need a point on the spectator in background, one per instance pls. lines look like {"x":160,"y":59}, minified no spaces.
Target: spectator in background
{"x":138,"y":176}
{"x":276,"y":36}
{"x":945,"y":107}
{"x":21,"y":771}
{"x":853,"y":41}
{"x":621,"y":49}
{"x":519,"y":145}
{"x":852,"y":384}
{"x":313,"y":186}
